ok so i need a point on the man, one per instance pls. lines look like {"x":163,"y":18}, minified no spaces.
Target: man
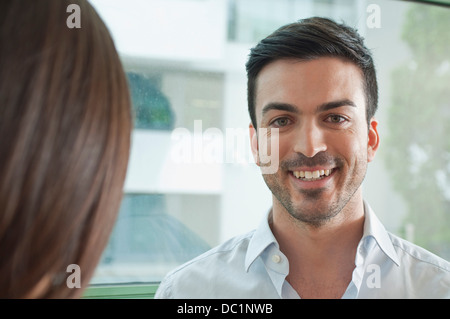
{"x":312,"y":90}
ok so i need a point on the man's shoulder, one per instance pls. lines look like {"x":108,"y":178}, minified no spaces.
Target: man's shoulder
{"x":205,"y":268}
{"x":424,"y":274}
{"x":417,"y":255}
{"x":216,"y":254}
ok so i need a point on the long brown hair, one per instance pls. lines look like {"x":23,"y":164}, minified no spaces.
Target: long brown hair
{"x":65,"y":125}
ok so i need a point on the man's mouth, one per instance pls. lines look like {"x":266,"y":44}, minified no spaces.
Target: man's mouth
{"x":310,"y":176}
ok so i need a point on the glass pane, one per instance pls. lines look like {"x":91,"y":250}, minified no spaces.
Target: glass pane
{"x":148,"y":240}
{"x":191,"y":181}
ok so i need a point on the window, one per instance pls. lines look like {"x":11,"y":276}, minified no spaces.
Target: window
{"x":185,"y":65}
{"x":249,"y":25}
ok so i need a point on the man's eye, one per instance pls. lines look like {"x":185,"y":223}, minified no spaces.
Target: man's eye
{"x":336,"y":119}
{"x":283,"y":121}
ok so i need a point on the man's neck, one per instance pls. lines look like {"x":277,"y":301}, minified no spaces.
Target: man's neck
{"x":320,"y":256}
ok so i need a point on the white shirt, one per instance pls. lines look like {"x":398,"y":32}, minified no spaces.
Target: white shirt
{"x":252,"y":266}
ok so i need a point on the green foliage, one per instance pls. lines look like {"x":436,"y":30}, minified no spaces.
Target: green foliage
{"x":418,"y":149}
{"x":151,"y":107}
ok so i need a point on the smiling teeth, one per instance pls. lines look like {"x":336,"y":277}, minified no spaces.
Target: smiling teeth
{"x":312,"y":175}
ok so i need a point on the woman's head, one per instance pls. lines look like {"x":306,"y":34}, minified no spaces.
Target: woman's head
{"x":65,"y":125}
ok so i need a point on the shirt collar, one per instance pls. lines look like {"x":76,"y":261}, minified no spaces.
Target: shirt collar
{"x":373,"y":228}
{"x":261,"y":239}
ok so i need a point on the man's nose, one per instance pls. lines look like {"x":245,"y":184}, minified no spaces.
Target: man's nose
{"x":309,"y":140}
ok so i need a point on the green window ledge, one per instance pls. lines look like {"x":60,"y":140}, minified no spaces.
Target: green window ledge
{"x":121,"y":291}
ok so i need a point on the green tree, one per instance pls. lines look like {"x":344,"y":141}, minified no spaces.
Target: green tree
{"x":418,"y":148}
{"x":152,"y":109}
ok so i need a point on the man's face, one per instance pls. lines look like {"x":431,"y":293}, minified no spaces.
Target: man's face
{"x":324,"y":143}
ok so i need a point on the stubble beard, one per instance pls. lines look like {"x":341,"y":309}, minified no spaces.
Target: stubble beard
{"x":318,"y":212}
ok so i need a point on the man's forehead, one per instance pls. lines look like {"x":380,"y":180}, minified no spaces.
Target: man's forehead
{"x":315,"y":83}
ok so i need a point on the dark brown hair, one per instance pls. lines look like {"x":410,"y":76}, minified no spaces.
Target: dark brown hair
{"x":310,"y":39}
{"x":65,"y":125}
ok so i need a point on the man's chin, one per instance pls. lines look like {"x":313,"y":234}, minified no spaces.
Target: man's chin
{"x":313,"y":208}
{"x":314,"y":216}
{"x":313,"y":195}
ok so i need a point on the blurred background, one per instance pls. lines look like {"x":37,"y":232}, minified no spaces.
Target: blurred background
{"x":191,"y":181}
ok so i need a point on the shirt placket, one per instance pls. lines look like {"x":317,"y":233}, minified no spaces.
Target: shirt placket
{"x":358,"y":273}
{"x":277,"y":267}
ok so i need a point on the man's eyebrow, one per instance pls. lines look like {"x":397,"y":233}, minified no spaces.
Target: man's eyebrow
{"x":334,"y":104}
{"x":292,"y":109}
{"x":280,"y":107}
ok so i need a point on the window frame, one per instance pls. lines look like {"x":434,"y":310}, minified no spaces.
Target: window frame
{"x":121,"y":291}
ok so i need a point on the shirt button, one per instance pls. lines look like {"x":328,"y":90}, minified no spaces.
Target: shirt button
{"x":276,"y":259}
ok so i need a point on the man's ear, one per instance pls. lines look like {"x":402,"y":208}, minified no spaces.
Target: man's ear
{"x":254,"y":143}
{"x":373,"y":140}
